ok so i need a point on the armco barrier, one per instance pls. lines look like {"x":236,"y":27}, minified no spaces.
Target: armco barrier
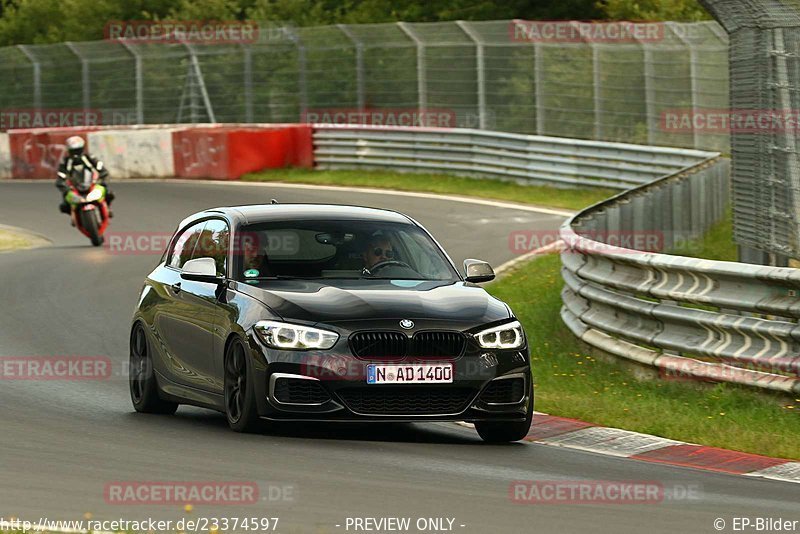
{"x":528,"y":158}
{"x":690,"y":318}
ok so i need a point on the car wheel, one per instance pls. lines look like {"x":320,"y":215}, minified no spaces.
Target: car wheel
{"x":501,"y":432}
{"x":142,"y":380}
{"x":240,"y":399}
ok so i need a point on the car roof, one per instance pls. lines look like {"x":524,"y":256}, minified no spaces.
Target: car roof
{"x":256,"y":213}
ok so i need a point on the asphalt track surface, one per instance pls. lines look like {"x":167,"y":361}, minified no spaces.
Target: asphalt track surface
{"x":61,"y":443}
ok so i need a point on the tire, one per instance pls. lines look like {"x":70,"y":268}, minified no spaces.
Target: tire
{"x":503,"y":432}
{"x":142,"y":380}
{"x":240,"y":397}
{"x":89,"y":223}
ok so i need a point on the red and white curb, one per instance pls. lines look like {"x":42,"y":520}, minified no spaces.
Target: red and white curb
{"x":583,"y":436}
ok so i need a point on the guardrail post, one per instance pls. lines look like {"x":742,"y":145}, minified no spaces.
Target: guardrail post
{"x":85,"y":87}
{"x":137,"y":58}
{"x":37,"y":75}
{"x":360,"y":76}
{"x":422,"y":82}
{"x":480,"y":61}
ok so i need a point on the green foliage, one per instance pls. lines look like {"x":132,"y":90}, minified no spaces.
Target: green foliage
{"x":677,"y":10}
{"x":51,"y":21}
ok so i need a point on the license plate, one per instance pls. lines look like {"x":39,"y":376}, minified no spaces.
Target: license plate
{"x":441,"y":373}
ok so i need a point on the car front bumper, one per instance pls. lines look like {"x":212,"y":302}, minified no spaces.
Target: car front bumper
{"x":337,"y":382}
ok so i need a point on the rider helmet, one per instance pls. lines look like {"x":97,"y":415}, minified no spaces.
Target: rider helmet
{"x":75,"y":146}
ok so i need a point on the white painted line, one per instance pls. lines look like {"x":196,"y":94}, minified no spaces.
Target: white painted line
{"x":610,"y":441}
{"x":369,"y":190}
{"x":547,"y":249}
{"x":788,"y":472}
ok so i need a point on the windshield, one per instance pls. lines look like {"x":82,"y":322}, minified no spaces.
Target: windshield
{"x":81,"y":177}
{"x":339,"y":250}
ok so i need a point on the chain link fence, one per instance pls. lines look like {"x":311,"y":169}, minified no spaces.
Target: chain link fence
{"x":492,"y":75}
{"x":765,"y":83}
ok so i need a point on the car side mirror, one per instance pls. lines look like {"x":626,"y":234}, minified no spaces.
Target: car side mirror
{"x":201,"y":270}
{"x":478,"y":271}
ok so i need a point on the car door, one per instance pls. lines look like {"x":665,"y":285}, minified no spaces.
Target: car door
{"x":185,"y":319}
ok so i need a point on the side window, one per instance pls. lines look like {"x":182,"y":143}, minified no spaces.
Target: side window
{"x":184,"y":246}
{"x":214,"y":244}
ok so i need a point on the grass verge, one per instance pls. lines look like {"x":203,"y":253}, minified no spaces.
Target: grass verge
{"x":716,"y":244}
{"x":572,"y":199}
{"x":13,"y":241}
{"x":572,"y":383}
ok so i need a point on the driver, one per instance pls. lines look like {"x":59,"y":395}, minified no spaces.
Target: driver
{"x":76,"y":156}
{"x":378,"y":250}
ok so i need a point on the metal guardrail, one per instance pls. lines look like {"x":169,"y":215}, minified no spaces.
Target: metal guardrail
{"x":690,"y":318}
{"x":529,"y":158}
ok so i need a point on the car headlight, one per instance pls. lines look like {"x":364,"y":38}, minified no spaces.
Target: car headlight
{"x":94,"y":195}
{"x":505,"y":336}
{"x":286,"y":336}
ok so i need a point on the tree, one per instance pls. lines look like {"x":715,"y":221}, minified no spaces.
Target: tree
{"x":677,"y":10}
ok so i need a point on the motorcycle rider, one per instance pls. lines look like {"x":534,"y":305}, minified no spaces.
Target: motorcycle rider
{"x":77,"y":156}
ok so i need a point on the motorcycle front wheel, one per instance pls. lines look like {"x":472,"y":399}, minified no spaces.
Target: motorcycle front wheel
{"x":92,"y":227}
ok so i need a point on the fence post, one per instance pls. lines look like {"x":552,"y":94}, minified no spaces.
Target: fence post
{"x":247,"y":52}
{"x":649,"y":93}
{"x":85,"y":87}
{"x":302,"y":67}
{"x":139,"y":83}
{"x":422,"y":82}
{"x":480,"y":65}
{"x":360,"y":79}
{"x":692,"y":77}
{"x":598,"y":101}
{"x":37,"y":76}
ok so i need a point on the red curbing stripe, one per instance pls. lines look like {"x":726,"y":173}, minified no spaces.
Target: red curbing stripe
{"x":547,"y":426}
{"x":710,"y":458}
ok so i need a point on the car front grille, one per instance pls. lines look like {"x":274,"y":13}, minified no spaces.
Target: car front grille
{"x":390,"y":345}
{"x":397,"y":345}
{"x":504,"y":391}
{"x":406,"y":400}
{"x":438,"y":344}
{"x":299,"y":391}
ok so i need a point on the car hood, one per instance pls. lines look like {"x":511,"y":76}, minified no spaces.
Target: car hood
{"x":359,"y":300}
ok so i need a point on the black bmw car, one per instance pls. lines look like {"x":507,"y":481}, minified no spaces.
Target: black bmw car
{"x":303,"y":312}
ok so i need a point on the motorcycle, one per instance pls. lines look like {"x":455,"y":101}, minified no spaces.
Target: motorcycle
{"x":87,"y":200}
